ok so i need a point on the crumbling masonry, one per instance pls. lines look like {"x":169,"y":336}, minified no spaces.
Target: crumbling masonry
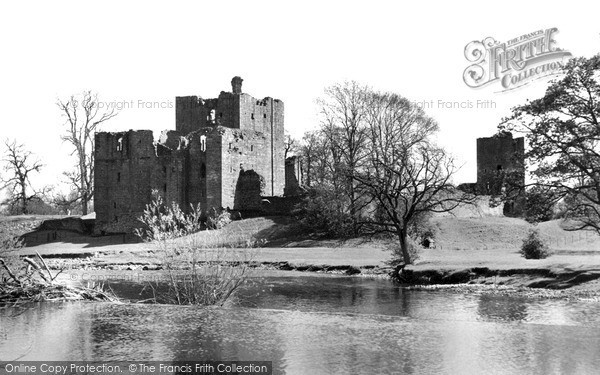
{"x":226,"y":152}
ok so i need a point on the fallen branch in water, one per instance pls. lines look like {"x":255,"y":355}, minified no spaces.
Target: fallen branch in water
{"x":38,"y":292}
{"x":18,"y":289}
{"x":9,"y":272}
{"x":38,"y":269}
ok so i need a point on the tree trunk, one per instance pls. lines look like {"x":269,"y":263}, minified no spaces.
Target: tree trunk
{"x":84,"y":206}
{"x":84,"y":191}
{"x":308,"y":172}
{"x":353,"y":210}
{"x":23,"y":197}
{"x":403,"y":237}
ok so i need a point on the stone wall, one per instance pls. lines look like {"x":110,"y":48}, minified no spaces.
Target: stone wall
{"x":124,"y":168}
{"x":267,"y":116}
{"x":243,"y":151}
{"x":293,"y":176}
{"x":205,"y":167}
{"x":248,"y":190}
{"x":240,"y":111}
{"x":193,"y":112}
{"x":128,"y":167}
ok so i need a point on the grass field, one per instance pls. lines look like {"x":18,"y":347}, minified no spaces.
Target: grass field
{"x":497,"y":233}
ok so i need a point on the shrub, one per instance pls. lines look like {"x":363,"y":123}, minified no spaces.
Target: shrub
{"x":324,"y":211}
{"x":196,"y":273}
{"x":218,"y":220}
{"x":421,"y":230}
{"x":534,"y":247}
{"x":164,"y":222}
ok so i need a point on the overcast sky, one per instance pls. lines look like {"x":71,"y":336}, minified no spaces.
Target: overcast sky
{"x":149,"y":52}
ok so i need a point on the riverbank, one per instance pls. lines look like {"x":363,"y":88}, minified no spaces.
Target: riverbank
{"x":470,"y":252}
{"x":563,"y":275}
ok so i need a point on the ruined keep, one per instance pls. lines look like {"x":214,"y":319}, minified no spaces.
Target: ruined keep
{"x":500,"y":160}
{"x":226,"y":152}
{"x":501,"y":169}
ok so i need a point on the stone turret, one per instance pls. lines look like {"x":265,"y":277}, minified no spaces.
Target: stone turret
{"x":236,"y":85}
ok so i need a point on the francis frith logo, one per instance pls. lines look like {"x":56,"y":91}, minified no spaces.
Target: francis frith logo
{"x":514,"y":63}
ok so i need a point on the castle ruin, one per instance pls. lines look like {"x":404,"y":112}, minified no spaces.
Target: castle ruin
{"x":226,"y":152}
{"x":501,"y":170}
{"x":500,"y":163}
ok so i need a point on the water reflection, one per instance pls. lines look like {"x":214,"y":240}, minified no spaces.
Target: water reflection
{"x":495,"y":308}
{"x":322,"y":325}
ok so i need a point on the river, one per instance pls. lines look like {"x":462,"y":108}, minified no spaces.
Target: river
{"x":321,"y":325}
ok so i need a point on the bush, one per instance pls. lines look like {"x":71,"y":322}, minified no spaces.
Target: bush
{"x":197,"y":275}
{"x":413,"y":250}
{"x":421,"y":230}
{"x":218,"y":220}
{"x":534,"y":247}
{"x":196,"y":272}
{"x":323,"y":211}
{"x":167,"y":222}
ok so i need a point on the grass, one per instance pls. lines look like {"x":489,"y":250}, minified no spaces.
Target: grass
{"x":501,"y":233}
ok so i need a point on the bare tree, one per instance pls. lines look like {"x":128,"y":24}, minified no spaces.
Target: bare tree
{"x":291,"y":146}
{"x":83,"y":117}
{"x":19,"y":164}
{"x":407,"y":175}
{"x":343,"y":110}
{"x":315,"y":158}
{"x":63,"y":203}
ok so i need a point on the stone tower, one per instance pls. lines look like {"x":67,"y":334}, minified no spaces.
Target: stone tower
{"x":498,"y":158}
{"x":238,"y":110}
{"x":501,"y":169}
